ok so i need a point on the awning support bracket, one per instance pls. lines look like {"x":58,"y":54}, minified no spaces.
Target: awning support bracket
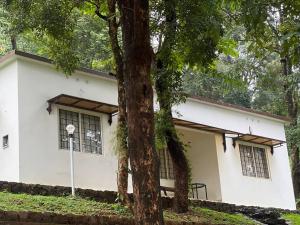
{"x":49,"y":108}
{"x":233,"y":142}
{"x":224,"y":142}
{"x":109,"y":119}
{"x":272,"y":150}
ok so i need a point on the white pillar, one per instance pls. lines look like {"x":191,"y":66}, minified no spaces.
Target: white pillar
{"x":72,"y":165}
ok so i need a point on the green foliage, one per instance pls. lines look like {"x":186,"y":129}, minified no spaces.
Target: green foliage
{"x":228,"y":46}
{"x":272,"y":28}
{"x":63,"y":31}
{"x":269,"y":93}
{"x":160,"y":127}
{"x":228,"y":81}
{"x":190,"y":40}
{"x":121,"y":137}
{"x":293,"y":134}
{"x":200,"y":29}
{"x":294,"y":219}
{"x":4,"y":30}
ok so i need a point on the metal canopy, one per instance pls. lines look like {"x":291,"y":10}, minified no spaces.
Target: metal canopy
{"x":82,"y":103}
{"x":259,"y":140}
{"x":239,"y":136}
{"x":198,"y":126}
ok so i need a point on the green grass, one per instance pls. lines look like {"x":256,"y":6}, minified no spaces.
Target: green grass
{"x":59,"y":205}
{"x":79,"y":206}
{"x":207,"y":216}
{"x":292,"y":217}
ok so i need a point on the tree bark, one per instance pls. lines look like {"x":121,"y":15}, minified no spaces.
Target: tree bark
{"x":140,"y":114}
{"x":13,"y":41}
{"x":163,"y":85}
{"x":176,"y":150}
{"x":291,"y":98}
{"x":122,"y":124}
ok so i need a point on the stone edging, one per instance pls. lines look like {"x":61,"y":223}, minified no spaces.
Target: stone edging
{"x":270,"y":216}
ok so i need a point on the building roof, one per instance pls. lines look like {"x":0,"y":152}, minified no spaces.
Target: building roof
{"x":110,"y":76}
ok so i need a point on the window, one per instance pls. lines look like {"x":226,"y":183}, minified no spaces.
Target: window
{"x":5,"y":141}
{"x":254,"y":161}
{"x":87,"y":135}
{"x":166,"y":165}
{"x":65,"y":118}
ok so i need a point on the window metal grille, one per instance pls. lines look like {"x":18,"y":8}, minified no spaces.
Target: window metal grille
{"x":163,"y":169}
{"x":166,"y":165}
{"x":87,"y":135}
{"x":261,"y":162}
{"x":91,"y":134}
{"x":65,"y":118}
{"x":254,"y":161}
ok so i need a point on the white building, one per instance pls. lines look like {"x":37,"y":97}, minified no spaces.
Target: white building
{"x":240,"y":154}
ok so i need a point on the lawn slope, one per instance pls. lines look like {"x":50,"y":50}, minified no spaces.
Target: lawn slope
{"x":79,"y":206}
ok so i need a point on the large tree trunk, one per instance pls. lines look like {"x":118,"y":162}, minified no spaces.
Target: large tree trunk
{"x":122,"y":124}
{"x":291,"y":98}
{"x":164,"y":84}
{"x":140,"y":115}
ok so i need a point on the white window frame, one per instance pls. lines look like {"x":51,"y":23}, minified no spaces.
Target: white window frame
{"x":86,"y":112}
{"x":252,"y":145}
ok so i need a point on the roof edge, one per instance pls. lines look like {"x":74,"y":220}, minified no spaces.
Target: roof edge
{"x":48,"y":61}
{"x":7,"y":56}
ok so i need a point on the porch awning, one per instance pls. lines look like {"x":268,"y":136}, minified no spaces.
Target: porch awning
{"x":259,"y":140}
{"x":198,"y":126}
{"x":236,"y":135}
{"x":82,"y":103}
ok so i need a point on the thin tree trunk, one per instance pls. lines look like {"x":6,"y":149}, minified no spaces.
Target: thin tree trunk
{"x":181,"y":172}
{"x":176,"y":150}
{"x":122,"y":124}
{"x":163,"y":85}
{"x":13,"y":41}
{"x":140,"y":114}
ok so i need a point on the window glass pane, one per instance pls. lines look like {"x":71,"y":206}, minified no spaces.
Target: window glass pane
{"x":247,"y":160}
{"x":65,"y":118}
{"x":166,"y":165}
{"x":91,"y":134}
{"x":261,"y":162}
{"x":170,"y":165}
{"x":163,"y":169}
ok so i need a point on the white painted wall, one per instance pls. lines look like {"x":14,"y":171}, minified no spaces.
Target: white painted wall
{"x":36,"y":136}
{"x":230,"y":119}
{"x":244,"y":190}
{"x":41,"y":160}
{"x":202,"y":156}
{"x":9,"y":157}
